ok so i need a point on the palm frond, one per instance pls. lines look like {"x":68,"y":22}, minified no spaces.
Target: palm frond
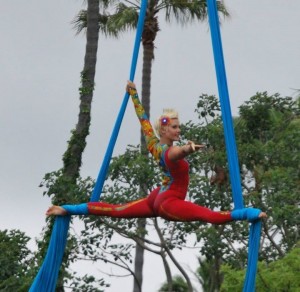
{"x":104,"y":26}
{"x":136,"y":5}
{"x":111,"y":25}
{"x":124,"y":18}
{"x":80,"y":21}
{"x":222,"y":9}
{"x":185,"y":11}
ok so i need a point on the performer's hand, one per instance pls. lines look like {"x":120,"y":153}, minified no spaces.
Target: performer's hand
{"x":131,"y":88}
{"x":195,"y":147}
{"x":199,"y":147}
{"x":192,"y":146}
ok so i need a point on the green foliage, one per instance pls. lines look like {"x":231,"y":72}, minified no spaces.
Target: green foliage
{"x":127,"y":173}
{"x":125,"y":17}
{"x":280,"y":275}
{"x":263,"y":112}
{"x":269,"y":162}
{"x":16,"y":261}
{"x":178,"y":285}
{"x":132,"y":169}
{"x":87,"y":283}
{"x":270,"y":178}
{"x":269,"y":142}
{"x":63,"y":190}
{"x":267,"y":135}
{"x":87,"y":87}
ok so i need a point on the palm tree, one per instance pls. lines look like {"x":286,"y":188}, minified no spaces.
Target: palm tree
{"x":62,"y":188}
{"x":73,"y":155}
{"x":125,"y":18}
{"x":183,"y":12}
{"x":178,"y":285}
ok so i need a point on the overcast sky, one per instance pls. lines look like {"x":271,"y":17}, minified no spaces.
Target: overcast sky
{"x":40,"y":64}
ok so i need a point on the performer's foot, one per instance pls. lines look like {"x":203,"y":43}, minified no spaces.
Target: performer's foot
{"x":262,"y":215}
{"x":56,"y":211}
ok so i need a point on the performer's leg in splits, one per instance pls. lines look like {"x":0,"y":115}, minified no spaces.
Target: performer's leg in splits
{"x":171,"y":206}
{"x":142,"y":208}
{"x":167,"y":205}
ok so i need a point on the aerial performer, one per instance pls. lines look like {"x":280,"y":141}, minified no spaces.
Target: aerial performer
{"x":168,"y":200}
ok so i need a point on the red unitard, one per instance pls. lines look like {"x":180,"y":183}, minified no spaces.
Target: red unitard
{"x":167,"y":201}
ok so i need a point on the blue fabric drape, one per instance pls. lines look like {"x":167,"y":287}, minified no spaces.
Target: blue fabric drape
{"x":104,"y":167}
{"x":232,"y":156}
{"x":47,"y":276}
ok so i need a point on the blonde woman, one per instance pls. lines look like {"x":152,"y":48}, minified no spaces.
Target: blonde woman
{"x":168,"y":200}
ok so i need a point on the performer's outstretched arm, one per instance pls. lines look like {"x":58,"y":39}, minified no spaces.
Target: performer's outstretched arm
{"x":151,"y":139}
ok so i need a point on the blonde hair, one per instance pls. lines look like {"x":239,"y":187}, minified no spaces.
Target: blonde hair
{"x":167,"y":113}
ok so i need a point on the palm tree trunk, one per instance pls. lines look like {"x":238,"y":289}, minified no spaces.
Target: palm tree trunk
{"x":148,"y":55}
{"x":72,"y":158}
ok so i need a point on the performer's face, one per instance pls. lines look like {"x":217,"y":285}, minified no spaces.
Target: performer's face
{"x":172,"y":130}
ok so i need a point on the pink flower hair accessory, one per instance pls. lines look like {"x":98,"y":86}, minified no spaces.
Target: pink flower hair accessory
{"x":164,"y":121}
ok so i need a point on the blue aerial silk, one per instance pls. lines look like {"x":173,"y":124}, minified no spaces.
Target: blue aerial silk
{"x":47,"y":276}
{"x":234,"y":171}
{"x":105,"y":164}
